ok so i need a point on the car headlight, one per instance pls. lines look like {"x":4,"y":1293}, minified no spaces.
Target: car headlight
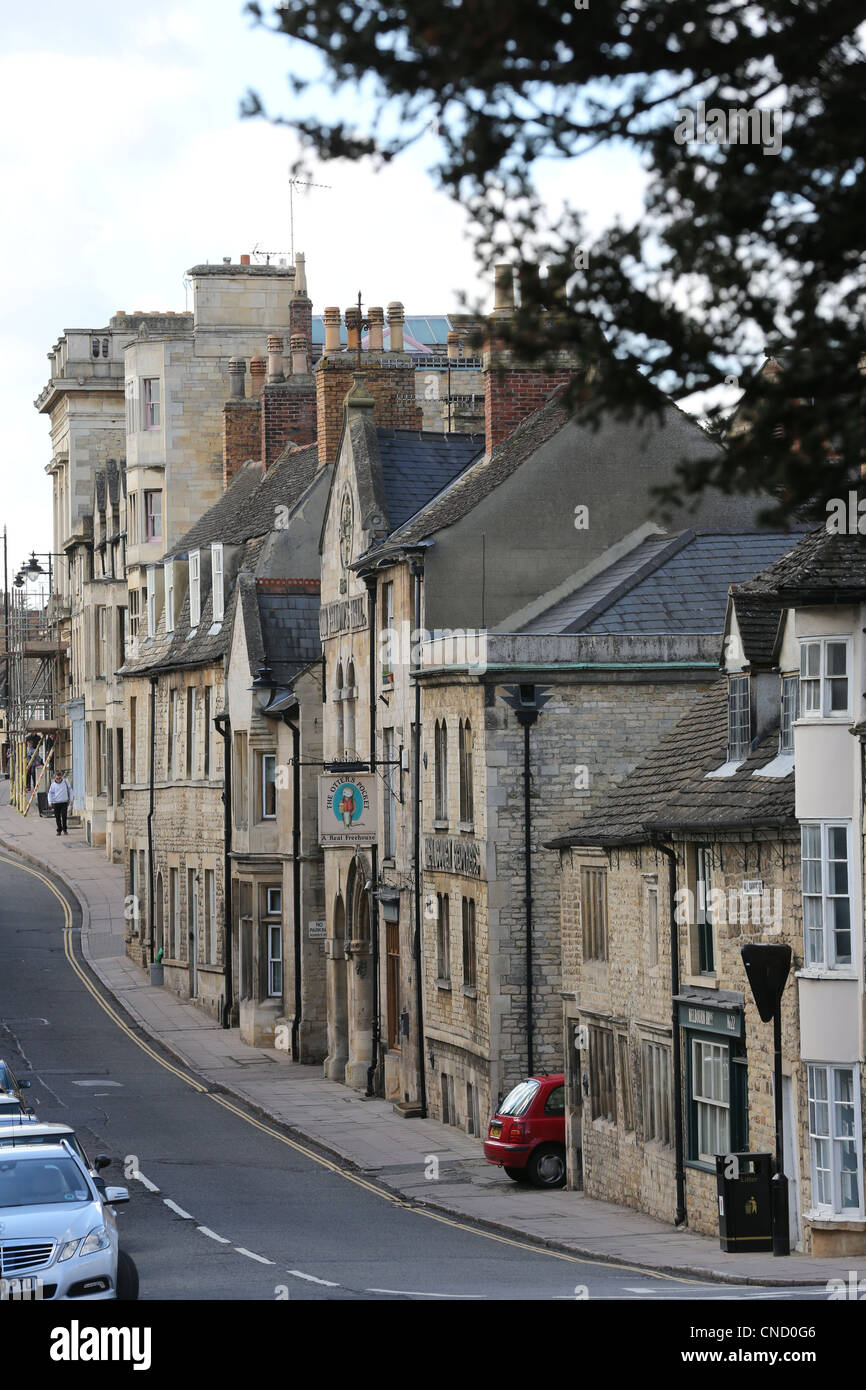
{"x":97,"y":1240}
{"x":67,"y":1250}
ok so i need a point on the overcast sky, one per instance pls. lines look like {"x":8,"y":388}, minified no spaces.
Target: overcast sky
{"x":124,"y":161}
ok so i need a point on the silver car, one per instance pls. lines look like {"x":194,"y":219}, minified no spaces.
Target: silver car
{"x":58,"y":1233}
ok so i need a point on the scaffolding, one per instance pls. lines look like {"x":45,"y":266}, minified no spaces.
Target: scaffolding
{"x":33,"y":692}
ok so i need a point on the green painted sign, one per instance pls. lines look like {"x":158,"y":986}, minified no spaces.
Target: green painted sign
{"x":703,"y":1018}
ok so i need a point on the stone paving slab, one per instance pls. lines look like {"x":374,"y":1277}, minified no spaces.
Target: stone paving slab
{"x":365,"y":1131}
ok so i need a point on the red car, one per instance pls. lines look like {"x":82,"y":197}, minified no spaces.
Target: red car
{"x":526,"y":1136}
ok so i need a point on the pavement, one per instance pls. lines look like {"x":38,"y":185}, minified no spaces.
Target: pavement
{"x":433,"y":1165}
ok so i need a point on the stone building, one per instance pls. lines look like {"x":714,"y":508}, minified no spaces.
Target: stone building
{"x":713,"y":814}
{"x":821,"y":588}
{"x":84,"y":402}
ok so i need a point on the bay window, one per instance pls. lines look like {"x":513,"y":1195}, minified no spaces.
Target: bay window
{"x":835,"y":1139}
{"x":824,"y":857}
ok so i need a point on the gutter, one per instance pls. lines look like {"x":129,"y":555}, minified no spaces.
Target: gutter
{"x":223,"y":727}
{"x":417,"y":571}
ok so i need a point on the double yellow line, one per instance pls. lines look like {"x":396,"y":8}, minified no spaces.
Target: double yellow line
{"x":323,"y":1162}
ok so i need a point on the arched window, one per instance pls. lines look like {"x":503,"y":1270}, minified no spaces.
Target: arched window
{"x":467,"y":800}
{"x":339,"y":927}
{"x":440,"y":771}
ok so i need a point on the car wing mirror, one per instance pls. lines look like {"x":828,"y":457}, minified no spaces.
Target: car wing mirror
{"x":24,"y":1085}
{"x":115,"y":1195}
{"x":101,"y":1161}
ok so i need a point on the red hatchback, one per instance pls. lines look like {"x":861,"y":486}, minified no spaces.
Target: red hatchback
{"x":526,"y":1136}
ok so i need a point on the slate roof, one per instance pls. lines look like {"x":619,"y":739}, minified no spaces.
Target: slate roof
{"x":759,"y":629}
{"x":824,"y":567}
{"x":485,"y":474}
{"x":669,"y":791}
{"x":671,"y":584}
{"x":418,"y":465}
{"x":290,"y":632}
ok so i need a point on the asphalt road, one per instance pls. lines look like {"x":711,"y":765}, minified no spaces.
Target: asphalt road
{"x":222,"y":1205}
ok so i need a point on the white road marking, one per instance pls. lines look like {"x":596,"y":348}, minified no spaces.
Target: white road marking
{"x":98,"y":1083}
{"x":419,"y":1293}
{"x":146,"y":1182}
{"x":206,"y":1231}
{"x":251,"y":1256}
{"x":180,"y":1211}
{"x":299,"y":1274}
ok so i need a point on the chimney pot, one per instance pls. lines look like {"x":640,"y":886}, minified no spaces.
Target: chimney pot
{"x":258,"y":367}
{"x":300,"y":364}
{"x":275,"y":358}
{"x":300,"y":275}
{"x":353,"y":328}
{"x":395,"y":325}
{"x":332,"y":329}
{"x":245,"y":260}
{"x":237,"y":374}
{"x":376,"y":319}
{"x":503,"y":288}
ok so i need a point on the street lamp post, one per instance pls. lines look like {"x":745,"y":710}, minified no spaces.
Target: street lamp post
{"x":767,"y":969}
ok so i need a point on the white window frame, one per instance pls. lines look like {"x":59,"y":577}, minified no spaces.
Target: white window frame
{"x":130,"y":406}
{"x":275,"y":959}
{"x":168,"y":572}
{"x":194,"y":588}
{"x":789,"y":711}
{"x":720,"y":1053}
{"x":815,"y":687}
{"x":824,"y":1129}
{"x":738,"y":751}
{"x":828,"y":960}
{"x":151,"y":403}
{"x":151,"y":602}
{"x":150,"y":515}
{"x":217,"y":581}
{"x":275,"y":902}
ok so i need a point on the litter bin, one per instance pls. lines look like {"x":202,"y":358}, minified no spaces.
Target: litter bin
{"x":42,"y":804}
{"x":745,"y":1207}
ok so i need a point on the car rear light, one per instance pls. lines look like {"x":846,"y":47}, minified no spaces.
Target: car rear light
{"x":515,"y":1134}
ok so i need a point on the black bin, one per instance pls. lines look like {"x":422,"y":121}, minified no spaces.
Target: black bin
{"x":42,"y":804}
{"x":745,"y":1209}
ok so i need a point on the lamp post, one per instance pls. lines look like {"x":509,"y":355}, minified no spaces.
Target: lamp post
{"x":767,"y":967}
{"x":527,"y":701}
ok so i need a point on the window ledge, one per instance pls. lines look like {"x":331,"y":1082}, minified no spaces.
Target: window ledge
{"x":440,"y":825}
{"x":467,"y":826}
{"x":832,"y":1220}
{"x":444,"y":985}
{"x":470,"y":991}
{"x":701,"y":981}
{"x":819,"y":973}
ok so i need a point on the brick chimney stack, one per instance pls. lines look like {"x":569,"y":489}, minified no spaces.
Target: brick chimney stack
{"x":241,"y":423}
{"x":386,"y":378}
{"x":513,"y":389}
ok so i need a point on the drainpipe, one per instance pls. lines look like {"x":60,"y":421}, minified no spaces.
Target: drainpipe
{"x":417,"y":570}
{"x":150,"y":812}
{"x":679,"y":1148}
{"x":370,"y":581}
{"x":222,"y":724}
{"x":296,"y":878}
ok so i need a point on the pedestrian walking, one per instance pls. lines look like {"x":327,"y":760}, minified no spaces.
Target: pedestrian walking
{"x":59,"y":797}
{"x":34,"y":763}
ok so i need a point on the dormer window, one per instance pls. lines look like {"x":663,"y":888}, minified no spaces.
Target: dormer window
{"x":825,"y":665}
{"x":789,"y":712}
{"x":739,"y":719}
{"x":168,"y":569}
{"x":194,"y":588}
{"x":216,"y":553}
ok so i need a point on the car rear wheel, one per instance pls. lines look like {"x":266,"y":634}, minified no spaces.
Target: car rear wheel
{"x":517,"y":1174}
{"x":127,"y":1277}
{"x":546,"y":1166}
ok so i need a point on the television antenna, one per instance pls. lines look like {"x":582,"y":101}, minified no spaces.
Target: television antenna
{"x":293,"y":184}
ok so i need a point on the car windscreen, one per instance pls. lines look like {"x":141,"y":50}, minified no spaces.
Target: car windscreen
{"x":518,"y":1101}
{"x":10,"y":1136}
{"x":36,"y":1182}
